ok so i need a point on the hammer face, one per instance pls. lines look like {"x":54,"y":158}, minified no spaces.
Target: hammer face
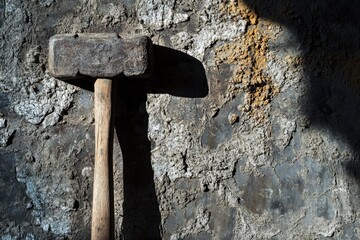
{"x":98,"y":55}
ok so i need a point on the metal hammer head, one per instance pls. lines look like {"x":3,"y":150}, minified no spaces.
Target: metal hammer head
{"x":99,"y":55}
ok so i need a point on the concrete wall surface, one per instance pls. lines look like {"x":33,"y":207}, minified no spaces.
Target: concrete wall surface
{"x":249,"y":127}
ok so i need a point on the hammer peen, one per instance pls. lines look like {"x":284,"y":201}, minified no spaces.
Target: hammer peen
{"x":107,"y":57}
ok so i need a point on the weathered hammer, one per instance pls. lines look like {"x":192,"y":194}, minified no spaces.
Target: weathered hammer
{"x":105,"y":56}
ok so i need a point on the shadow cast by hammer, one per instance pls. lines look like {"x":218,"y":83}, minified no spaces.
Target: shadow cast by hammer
{"x":177,"y":74}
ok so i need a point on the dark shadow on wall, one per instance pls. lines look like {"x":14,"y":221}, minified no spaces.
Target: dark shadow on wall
{"x":177,"y":74}
{"x":329,"y":39}
{"x":141,"y":216}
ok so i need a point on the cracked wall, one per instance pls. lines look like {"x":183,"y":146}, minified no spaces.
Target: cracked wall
{"x":266,"y":147}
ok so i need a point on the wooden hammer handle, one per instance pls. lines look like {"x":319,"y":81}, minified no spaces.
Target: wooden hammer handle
{"x":103,"y":200}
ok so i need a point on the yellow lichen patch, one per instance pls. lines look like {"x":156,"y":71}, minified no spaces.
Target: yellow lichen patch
{"x":239,"y":9}
{"x":248,"y":56}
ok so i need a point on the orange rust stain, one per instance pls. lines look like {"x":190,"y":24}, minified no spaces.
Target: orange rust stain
{"x":248,"y":56}
{"x":238,"y":9}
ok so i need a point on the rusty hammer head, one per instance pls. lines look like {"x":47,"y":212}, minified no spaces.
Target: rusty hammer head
{"x":99,"y":55}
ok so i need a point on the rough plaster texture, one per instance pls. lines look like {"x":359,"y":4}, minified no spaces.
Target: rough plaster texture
{"x":256,"y":139}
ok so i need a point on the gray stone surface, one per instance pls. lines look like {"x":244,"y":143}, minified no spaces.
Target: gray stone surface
{"x":248,"y":128}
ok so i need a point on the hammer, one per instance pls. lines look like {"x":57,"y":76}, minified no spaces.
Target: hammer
{"x":107,"y":57}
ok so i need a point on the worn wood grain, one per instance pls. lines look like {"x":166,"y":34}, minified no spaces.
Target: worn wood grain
{"x":102,"y":211}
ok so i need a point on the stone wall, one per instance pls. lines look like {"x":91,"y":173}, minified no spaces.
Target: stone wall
{"x":248,"y":129}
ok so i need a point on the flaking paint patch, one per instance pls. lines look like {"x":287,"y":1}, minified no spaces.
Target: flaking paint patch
{"x":248,"y":55}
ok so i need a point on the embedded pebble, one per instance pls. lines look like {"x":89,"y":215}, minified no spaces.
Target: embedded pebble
{"x":2,"y":123}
